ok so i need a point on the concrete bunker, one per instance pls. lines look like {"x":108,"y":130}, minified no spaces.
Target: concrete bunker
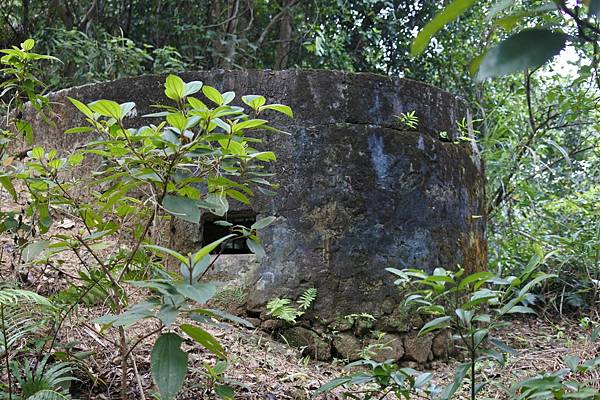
{"x":359,"y":192}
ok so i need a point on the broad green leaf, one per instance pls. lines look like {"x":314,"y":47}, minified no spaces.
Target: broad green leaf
{"x":82,"y":107}
{"x":329,"y":386}
{"x":204,"y":251}
{"x":436,"y":324}
{"x":167,"y":314}
{"x":182,"y":207}
{"x":256,"y":248}
{"x":199,"y":292}
{"x":278,"y":107}
{"x":28,"y":44}
{"x":228,"y":97}
{"x":225,"y":392}
{"x":251,"y":123}
{"x":174,"y":87}
{"x":451,"y":12}
{"x":205,"y":339}
{"x":192,"y":87}
{"x":37,"y":153}
{"x":254,"y":101}
{"x":127,"y":107}
{"x":234,"y":194}
{"x":263,"y":222}
{"x":197,"y":104}
{"x":459,"y":376}
{"x":6,"y":182}
{"x":168,"y":364}
{"x":213,"y":95}
{"x":177,"y":120}
{"x":478,"y":277}
{"x":521,"y":310}
{"x":79,"y":129}
{"x":32,"y":250}
{"x":266,"y":156}
{"x":170,"y":252}
{"x":529,"y":48}
{"x":107,"y":108}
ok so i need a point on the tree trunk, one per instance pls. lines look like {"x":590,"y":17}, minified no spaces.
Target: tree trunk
{"x":285,"y":36}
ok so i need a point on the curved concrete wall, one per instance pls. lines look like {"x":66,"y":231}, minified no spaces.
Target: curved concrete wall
{"x":358,"y":192}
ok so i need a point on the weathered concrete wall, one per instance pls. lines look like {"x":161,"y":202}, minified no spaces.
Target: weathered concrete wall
{"x":358,"y":193}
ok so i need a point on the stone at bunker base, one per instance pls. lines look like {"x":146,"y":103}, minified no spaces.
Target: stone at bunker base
{"x":359,"y":192}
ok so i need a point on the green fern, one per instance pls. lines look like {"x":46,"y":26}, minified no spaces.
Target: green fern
{"x":43,"y":383}
{"x":307,"y":298}
{"x":22,"y":312}
{"x":282,"y":308}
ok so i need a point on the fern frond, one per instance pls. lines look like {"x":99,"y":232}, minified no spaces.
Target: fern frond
{"x":307,"y":298}
{"x":281,"y":308}
{"x":48,"y":395}
{"x":10,"y":297}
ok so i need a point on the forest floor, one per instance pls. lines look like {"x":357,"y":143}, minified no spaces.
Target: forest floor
{"x":264,"y":367}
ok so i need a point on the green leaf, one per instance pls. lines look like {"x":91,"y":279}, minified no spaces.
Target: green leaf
{"x":82,"y":107}
{"x":168,"y":364}
{"x":167,"y":314}
{"x":451,"y":12}
{"x":213,"y":95}
{"x":329,"y":386}
{"x":32,"y":250}
{"x":499,"y":344}
{"x":197,"y":104}
{"x":529,"y":48}
{"x":204,"y":251}
{"x":234,"y":194}
{"x":170,"y":252}
{"x":263,"y":223}
{"x":37,"y":153}
{"x":280,"y":108}
{"x":174,"y":87}
{"x":192,"y":87}
{"x":7,"y":183}
{"x":256,"y":248}
{"x":28,"y":44}
{"x":520,"y":310}
{"x":79,"y":129}
{"x":228,"y":97}
{"x":199,"y":292}
{"x":254,"y":101}
{"x":459,"y":376}
{"x":251,"y":123}
{"x":478,"y":277}
{"x":266,"y":156}
{"x":182,"y":207}
{"x":205,"y":339}
{"x":107,"y":108}
{"x":225,"y":392}
{"x":177,"y":120}
{"x":436,"y":324}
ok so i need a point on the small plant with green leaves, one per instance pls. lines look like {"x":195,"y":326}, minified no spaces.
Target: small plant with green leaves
{"x":379,"y":379}
{"x":193,"y":160}
{"x":471,"y":307}
{"x":217,"y":382}
{"x":409,"y":120}
{"x":284,"y":310}
{"x":559,"y":384}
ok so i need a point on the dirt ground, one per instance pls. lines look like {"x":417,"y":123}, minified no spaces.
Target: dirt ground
{"x":261,"y":366}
